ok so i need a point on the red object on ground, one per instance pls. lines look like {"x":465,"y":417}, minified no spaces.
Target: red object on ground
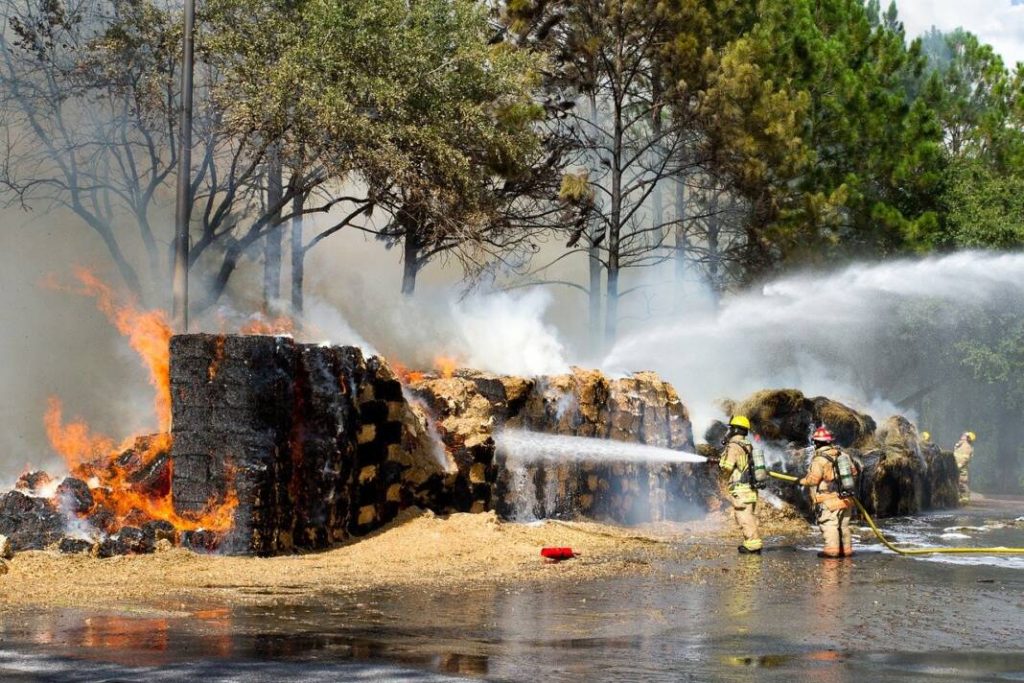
{"x":557,"y":553}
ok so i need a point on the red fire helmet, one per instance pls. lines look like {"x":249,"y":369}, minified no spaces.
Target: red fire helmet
{"x":822,"y":434}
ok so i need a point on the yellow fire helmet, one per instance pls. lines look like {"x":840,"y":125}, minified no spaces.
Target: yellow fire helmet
{"x":740,"y":421}
{"x":971,"y":436}
{"x":926,"y":436}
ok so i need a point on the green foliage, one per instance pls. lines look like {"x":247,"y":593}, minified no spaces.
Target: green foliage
{"x":408,"y":98}
{"x":874,"y":165}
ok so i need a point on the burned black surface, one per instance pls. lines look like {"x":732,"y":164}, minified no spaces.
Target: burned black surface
{"x":305,"y":435}
{"x":29,"y":523}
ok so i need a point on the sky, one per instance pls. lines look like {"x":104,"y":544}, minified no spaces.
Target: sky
{"x":997,"y":22}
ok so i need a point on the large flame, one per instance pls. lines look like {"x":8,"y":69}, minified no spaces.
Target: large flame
{"x":148,"y":333}
{"x":74,"y":441}
{"x":110,"y":469}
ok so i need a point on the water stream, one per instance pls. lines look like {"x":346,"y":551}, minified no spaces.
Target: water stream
{"x":525,"y":446}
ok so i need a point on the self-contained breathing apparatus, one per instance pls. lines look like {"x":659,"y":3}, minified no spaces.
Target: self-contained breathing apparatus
{"x":755,"y":474}
{"x":843,"y":481}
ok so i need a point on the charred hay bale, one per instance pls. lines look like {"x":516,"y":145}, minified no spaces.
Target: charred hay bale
{"x":153,"y":477}
{"x":102,"y":519}
{"x":902,"y":473}
{"x":33,"y":482}
{"x":892,"y":482}
{"x":75,"y":546}
{"x":943,"y":477}
{"x":850,"y":428}
{"x":898,"y":432}
{"x":200,"y":541}
{"x":779,"y":415}
{"x":786,"y":415}
{"x":74,"y":496}
{"x":29,"y":523}
{"x":714,"y":436}
{"x":130,"y":540}
{"x":158,"y":530}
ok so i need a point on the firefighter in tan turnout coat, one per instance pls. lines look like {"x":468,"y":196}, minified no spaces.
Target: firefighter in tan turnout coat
{"x":833,"y":510}
{"x":963,"y":451}
{"x":736,"y":463}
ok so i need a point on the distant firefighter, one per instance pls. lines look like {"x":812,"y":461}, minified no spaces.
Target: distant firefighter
{"x":738,"y":463}
{"x":963,"y":451}
{"x":831,"y":478}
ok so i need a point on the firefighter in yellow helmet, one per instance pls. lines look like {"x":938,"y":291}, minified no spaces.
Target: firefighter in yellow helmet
{"x":737,"y":463}
{"x":831,"y":504}
{"x":963,"y":451}
{"x":926,"y":437}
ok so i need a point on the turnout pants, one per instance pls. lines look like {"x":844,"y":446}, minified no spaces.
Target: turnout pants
{"x":745,"y":515}
{"x":835,"y":527}
{"x":964,"y":483}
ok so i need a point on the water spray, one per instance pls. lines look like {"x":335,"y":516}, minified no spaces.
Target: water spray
{"x":526,"y":446}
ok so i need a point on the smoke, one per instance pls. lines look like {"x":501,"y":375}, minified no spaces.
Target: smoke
{"x":500,"y":332}
{"x":834,"y":333}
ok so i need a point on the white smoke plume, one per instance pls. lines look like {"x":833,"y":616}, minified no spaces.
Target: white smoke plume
{"x":822,"y":333}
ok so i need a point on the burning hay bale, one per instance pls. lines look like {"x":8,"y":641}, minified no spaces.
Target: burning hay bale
{"x":74,"y":496}
{"x":313,"y":444}
{"x":30,"y":523}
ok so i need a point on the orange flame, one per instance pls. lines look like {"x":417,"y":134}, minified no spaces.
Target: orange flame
{"x":92,"y":456}
{"x":404,"y":374}
{"x":445,"y":366}
{"x":74,"y":441}
{"x":281,"y":325}
{"x":148,"y":333}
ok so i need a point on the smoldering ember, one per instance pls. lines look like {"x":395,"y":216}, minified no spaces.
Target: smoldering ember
{"x":278,"y":446}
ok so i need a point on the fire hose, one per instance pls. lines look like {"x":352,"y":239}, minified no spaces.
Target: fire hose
{"x":998,"y":550}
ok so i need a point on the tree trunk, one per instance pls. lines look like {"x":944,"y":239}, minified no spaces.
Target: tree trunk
{"x":272,"y":246}
{"x":657,"y":210}
{"x":411,"y":265}
{"x":611,"y":319}
{"x":678,"y":299}
{"x":714,"y":250}
{"x":298,"y":257}
{"x":594,"y":263}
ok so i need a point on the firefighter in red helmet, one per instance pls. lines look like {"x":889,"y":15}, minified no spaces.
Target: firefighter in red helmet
{"x":831,"y":481}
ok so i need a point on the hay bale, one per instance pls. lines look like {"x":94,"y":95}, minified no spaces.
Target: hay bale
{"x":779,"y":414}
{"x":850,"y":428}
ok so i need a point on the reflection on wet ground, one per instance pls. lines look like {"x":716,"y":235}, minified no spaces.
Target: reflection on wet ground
{"x":783,"y":616}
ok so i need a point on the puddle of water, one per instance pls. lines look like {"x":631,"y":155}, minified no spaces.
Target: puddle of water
{"x":783,"y":616}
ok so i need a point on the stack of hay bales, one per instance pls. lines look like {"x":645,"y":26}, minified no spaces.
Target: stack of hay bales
{"x":641,"y":409}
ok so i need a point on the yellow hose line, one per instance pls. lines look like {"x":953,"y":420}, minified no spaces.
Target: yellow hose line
{"x":999,"y":550}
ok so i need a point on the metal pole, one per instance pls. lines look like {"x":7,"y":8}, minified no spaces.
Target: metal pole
{"x":183,"y":207}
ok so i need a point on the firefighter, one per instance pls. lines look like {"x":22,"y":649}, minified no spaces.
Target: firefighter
{"x":926,"y":437}
{"x":832,"y":509}
{"x":736,"y":463}
{"x":963,"y":452}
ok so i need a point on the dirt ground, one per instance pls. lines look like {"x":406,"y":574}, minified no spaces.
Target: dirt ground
{"x":417,"y":550}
